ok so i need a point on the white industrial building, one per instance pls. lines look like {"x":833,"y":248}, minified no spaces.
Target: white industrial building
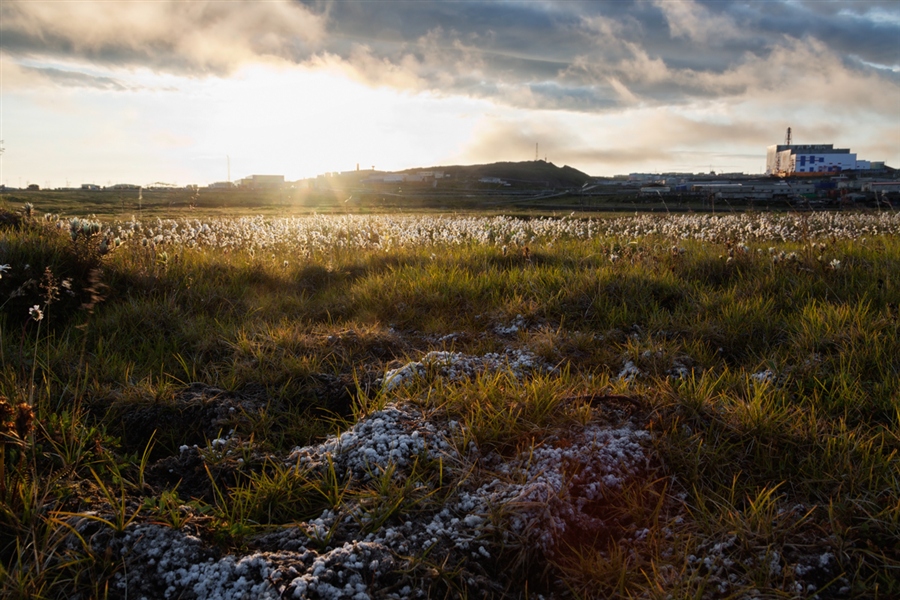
{"x":790,"y":159}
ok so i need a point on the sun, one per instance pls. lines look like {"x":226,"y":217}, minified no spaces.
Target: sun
{"x":301,"y":123}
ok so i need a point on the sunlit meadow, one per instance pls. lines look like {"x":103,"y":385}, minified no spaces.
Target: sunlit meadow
{"x":691,"y":406}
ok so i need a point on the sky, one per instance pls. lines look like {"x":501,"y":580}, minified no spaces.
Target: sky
{"x":193,"y":92}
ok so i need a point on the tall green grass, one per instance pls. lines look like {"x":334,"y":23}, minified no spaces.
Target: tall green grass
{"x":803,"y":457}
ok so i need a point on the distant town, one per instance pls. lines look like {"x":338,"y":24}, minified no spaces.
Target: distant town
{"x":796,"y":174}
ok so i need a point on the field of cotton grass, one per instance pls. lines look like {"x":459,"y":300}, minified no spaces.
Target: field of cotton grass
{"x":692,"y":406}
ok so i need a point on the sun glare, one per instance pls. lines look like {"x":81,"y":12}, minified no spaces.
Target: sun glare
{"x":302,"y":123}
{"x":295,"y":122}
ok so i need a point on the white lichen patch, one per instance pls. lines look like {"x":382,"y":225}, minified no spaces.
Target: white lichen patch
{"x":531,"y":501}
{"x":629,"y":372}
{"x":393,"y":436}
{"x":164,"y":563}
{"x":456,"y":366}
{"x":484,"y":504}
{"x":556,"y":486}
{"x":517,"y":325}
{"x":765,"y":376}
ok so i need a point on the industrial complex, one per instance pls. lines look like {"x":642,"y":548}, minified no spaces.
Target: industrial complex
{"x":812,"y":159}
{"x":797,"y":176}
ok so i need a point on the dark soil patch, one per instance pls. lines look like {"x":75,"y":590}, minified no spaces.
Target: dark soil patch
{"x":194,"y":415}
{"x":187,"y":474}
{"x":176,"y":430}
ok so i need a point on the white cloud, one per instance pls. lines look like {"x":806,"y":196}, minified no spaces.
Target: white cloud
{"x":695,"y":22}
{"x":191,"y":36}
{"x":600,"y":85}
{"x":16,"y":76}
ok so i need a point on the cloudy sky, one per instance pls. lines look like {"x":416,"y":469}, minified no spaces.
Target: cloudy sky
{"x":110,"y":91}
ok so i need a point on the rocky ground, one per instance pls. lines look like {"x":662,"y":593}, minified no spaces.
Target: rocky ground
{"x":419,"y":508}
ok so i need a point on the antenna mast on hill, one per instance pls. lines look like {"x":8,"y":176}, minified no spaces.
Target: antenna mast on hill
{"x":787,"y":138}
{"x":535,"y":152}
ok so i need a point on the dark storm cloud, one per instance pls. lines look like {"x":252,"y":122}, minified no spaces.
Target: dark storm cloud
{"x":596,"y":56}
{"x":868,"y":30}
{"x":585,"y":56}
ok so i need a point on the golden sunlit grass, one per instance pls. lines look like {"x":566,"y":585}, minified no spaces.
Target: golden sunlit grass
{"x":169,"y":384}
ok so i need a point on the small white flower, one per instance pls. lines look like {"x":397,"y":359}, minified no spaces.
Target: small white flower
{"x":3,"y":269}
{"x":35,"y":312}
{"x":835,"y":264}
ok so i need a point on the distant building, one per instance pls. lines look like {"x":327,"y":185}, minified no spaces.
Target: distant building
{"x":642,"y":177}
{"x":883,"y":187}
{"x":788,"y":159}
{"x":263,"y":182}
{"x":715,"y":187}
{"x":652,"y":190}
{"x":758,"y":190}
{"x":90,"y":186}
{"x":160,"y":186}
{"x":424,"y":176}
{"x":221,"y":185}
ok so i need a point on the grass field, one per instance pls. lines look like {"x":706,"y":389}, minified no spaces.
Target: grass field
{"x":395,"y":406}
{"x":144,"y":205}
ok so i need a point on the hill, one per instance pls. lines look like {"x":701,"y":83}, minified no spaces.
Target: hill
{"x":539,"y":172}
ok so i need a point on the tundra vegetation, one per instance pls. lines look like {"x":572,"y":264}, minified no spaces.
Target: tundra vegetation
{"x":420,"y":406}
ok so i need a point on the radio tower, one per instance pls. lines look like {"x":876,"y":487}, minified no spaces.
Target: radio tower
{"x":535,"y":152}
{"x":787,"y":138}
